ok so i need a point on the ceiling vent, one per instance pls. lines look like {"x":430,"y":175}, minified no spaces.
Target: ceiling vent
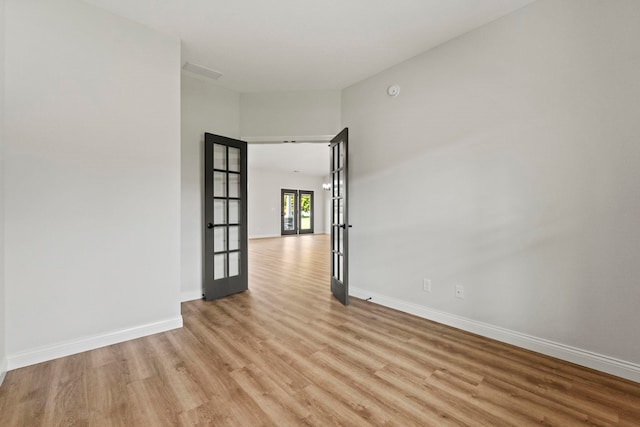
{"x":202,"y":71}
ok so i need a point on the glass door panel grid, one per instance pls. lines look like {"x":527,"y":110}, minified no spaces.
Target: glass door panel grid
{"x":227,"y":211}
{"x":337,"y":211}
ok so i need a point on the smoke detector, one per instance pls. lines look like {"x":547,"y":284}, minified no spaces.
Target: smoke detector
{"x":393,"y":90}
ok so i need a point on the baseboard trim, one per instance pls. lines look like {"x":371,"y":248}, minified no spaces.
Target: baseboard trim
{"x":271,"y":236}
{"x":190,"y":295}
{"x":264,"y":236}
{"x":43,"y":354}
{"x":609,"y":365}
{"x":3,"y":370}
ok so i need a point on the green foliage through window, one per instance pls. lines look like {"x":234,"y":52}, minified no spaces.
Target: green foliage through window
{"x":305,"y":204}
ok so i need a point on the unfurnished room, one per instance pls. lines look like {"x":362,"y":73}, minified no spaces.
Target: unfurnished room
{"x":288,"y":213}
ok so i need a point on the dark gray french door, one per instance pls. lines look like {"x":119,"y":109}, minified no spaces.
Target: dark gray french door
{"x":305,"y":202}
{"x":288,"y":212}
{"x":296,"y":212}
{"x":340,"y":217}
{"x":225,"y":216}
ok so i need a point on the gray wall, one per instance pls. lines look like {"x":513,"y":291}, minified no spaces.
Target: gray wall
{"x":205,"y":108}
{"x":92,"y":179}
{"x":304,"y":113}
{"x":3,"y":353}
{"x":264,"y":200}
{"x":327,"y":205}
{"x":509,"y":164}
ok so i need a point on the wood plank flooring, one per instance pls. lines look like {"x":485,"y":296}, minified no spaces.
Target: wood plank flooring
{"x":287,"y":354}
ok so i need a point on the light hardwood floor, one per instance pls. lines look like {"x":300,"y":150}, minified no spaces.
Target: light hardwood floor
{"x":286,"y":353}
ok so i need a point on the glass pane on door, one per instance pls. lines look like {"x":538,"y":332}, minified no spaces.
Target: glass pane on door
{"x":234,"y":238}
{"x":219,"y":184}
{"x":234,"y":159}
{"x":234,"y":211}
{"x":220,"y":239}
{"x":219,"y":211}
{"x":234,"y":264}
{"x":306,"y":212}
{"x":220,"y":266}
{"x":219,"y":156}
{"x":234,"y":185}
{"x":289,"y":209}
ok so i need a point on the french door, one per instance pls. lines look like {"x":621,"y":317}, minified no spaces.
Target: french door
{"x":289,"y":212}
{"x":305,"y":211}
{"x":225,"y":216}
{"x":296,"y":214}
{"x":340,"y":217}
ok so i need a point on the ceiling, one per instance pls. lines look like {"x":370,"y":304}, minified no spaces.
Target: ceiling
{"x":286,"y":45}
{"x":306,"y":158}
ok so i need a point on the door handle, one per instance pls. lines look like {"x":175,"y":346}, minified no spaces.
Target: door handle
{"x":209,"y":225}
{"x":343,"y":226}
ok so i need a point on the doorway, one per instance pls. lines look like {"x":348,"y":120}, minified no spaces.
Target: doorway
{"x":296,"y":215}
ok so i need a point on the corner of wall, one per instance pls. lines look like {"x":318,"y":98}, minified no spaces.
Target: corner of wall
{"x":3,"y":369}
{"x":3,"y":352}
{"x":190,"y":295}
{"x":205,"y":107}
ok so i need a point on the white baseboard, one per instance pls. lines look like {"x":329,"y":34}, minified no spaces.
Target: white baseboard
{"x":610,"y":365}
{"x":271,"y":236}
{"x":264,"y":236}
{"x":3,"y":370}
{"x":43,"y":354}
{"x":190,"y":295}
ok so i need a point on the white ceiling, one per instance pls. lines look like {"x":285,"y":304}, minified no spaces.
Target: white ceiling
{"x":306,"y":158}
{"x":286,"y":45}
{"x":276,"y":45}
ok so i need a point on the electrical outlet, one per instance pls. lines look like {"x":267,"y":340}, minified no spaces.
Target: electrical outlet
{"x":459,"y":291}
{"x":426,"y":285}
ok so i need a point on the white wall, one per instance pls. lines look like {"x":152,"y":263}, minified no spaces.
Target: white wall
{"x":286,"y":114}
{"x":309,"y":113}
{"x":92,"y":179}
{"x":327,"y":205}
{"x":205,"y":108}
{"x":264,"y":199}
{"x":3,"y":353}
{"x":509,"y":165}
